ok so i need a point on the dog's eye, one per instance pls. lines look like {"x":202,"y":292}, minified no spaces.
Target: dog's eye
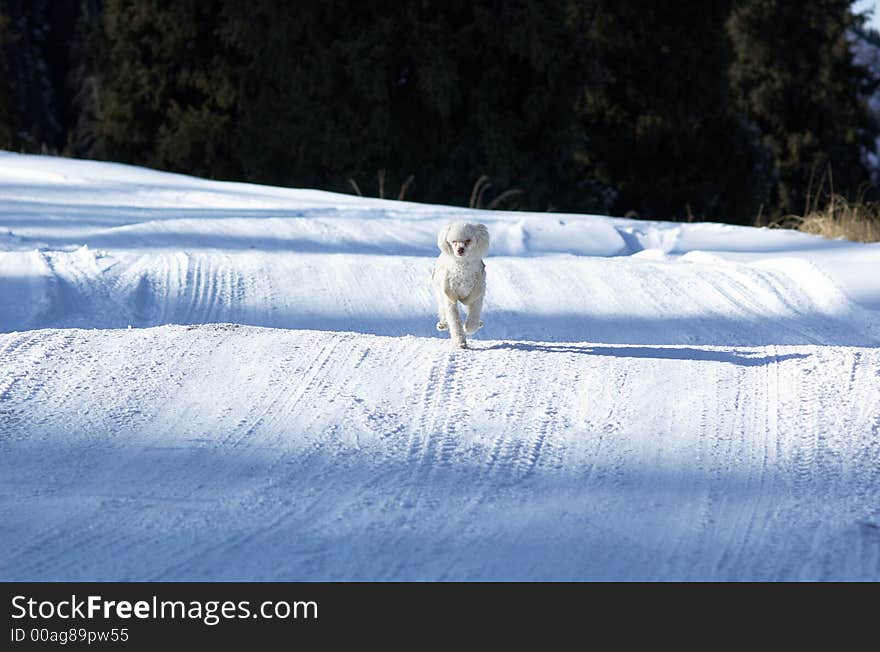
{"x":468,"y":241}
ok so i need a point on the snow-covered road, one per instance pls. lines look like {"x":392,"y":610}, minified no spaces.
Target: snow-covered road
{"x":647,"y":400}
{"x":224,"y":452}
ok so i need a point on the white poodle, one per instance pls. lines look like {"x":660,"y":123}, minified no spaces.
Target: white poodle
{"x":460,"y":275}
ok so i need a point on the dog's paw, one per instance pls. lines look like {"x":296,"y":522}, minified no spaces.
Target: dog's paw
{"x":442,"y":325}
{"x":470,"y":329}
{"x":460,"y":344}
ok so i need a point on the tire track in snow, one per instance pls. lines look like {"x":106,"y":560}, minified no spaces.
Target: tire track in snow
{"x":551,"y":428}
{"x":732,"y":286}
{"x":78,"y":290}
{"x":500,"y":450}
{"x":857,"y":531}
{"x":810,"y":520}
{"x":735,"y":467}
{"x":198,"y":286}
{"x":452,"y":410}
{"x":348,"y":500}
{"x":435,"y":446}
{"x":712,"y":436}
{"x":440,"y":390}
{"x":757,"y":433}
{"x":648,"y":301}
{"x":519,"y":448}
{"x":92,"y":497}
{"x":22,"y":356}
{"x":809,"y":476}
{"x":17,"y":345}
{"x":20,"y":352}
{"x":267,"y":429}
{"x":96,"y":456}
{"x":568,"y":453}
{"x":866,"y":376}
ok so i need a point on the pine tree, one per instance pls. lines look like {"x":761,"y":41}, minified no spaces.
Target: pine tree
{"x":31,"y":103}
{"x":444,"y":91}
{"x":8,"y":119}
{"x":656,"y":117}
{"x":81,"y":82}
{"x":793,"y":76}
{"x":165,"y":94}
{"x":329,"y":91}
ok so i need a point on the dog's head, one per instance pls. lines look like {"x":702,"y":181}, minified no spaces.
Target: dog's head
{"x":464,"y":240}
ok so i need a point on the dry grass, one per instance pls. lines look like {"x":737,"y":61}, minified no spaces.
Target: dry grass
{"x":857,"y":221}
{"x":509,"y":198}
{"x":380,"y":177}
{"x":482,"y":184}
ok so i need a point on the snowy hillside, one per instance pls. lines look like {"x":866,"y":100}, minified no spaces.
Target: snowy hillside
{"x":646,"y":401}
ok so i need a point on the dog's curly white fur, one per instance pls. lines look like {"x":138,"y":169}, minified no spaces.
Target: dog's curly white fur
{"x":460,"y":276}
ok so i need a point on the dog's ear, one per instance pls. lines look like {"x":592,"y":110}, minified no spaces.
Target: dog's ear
{"x":442,"y":242}
{"x":481,"y":240}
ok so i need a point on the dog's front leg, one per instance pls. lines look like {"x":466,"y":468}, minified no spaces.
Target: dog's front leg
{"x":473,"y":323}
{"x":453,"y":319}
{"x":442,"y":319}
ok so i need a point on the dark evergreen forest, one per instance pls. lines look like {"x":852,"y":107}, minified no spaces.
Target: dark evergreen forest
{"x":719,"y":110}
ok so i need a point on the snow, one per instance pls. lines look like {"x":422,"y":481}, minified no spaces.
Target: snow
{"x":204,"y":380}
